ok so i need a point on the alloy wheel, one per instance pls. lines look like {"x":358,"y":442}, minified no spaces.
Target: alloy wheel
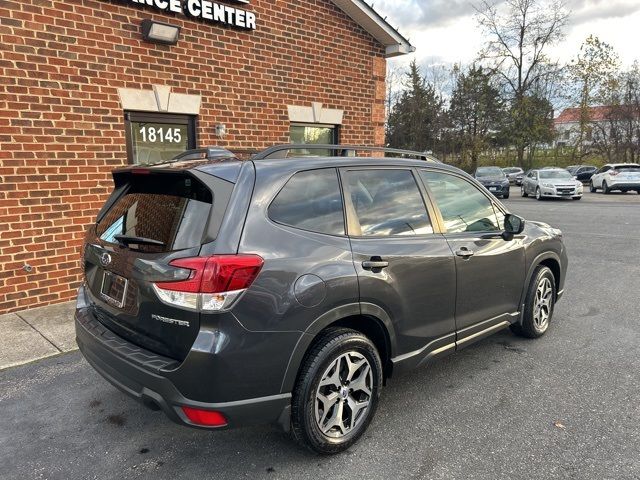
{"x":343,"y":395}
{"x":542,"y":305}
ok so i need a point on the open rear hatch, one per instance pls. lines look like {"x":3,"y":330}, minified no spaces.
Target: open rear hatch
{"x":153,"y":217}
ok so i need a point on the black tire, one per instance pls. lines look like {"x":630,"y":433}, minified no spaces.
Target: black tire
{"x":505,"y":196}
{"x":329,"y":348}
{"x":577,"y":198}
{"x":538,"y":194}
{"x":605,"y":188}
{"x":592,"y":189}
{"x":529,"y":327}
{"x":523,"y":193}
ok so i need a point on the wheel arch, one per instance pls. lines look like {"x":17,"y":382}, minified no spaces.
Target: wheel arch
{"x":547,"y":259}
{"x":368,"y":319}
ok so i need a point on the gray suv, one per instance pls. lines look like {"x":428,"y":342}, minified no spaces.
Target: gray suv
{"x":288,"y":290}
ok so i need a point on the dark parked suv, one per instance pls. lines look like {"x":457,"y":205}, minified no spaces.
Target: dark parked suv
{"x":288,"y":290}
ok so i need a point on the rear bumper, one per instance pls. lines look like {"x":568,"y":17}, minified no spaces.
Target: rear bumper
{"x":624,"y":186}
{"x":144,"y":376}
{"x":499,"y":190}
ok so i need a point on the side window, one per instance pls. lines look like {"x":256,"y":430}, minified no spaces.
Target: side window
{"x":464,"y":208}
{"x":606,"y":168}
{"x":387,"y":203}
{"x":311,"y":201}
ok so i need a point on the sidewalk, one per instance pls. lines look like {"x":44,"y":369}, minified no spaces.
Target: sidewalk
{"x":35,"y":334}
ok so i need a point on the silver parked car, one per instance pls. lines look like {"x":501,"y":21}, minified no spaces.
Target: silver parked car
{"x":551,"y":183}
{"x":513,"y":173}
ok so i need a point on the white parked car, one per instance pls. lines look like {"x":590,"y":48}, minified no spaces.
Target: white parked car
{"x":512,"y":173}
{"x":551,"y":183}
{"x":616,"y":176}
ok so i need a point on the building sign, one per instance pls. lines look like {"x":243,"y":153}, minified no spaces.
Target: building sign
{"x":204,"y":10}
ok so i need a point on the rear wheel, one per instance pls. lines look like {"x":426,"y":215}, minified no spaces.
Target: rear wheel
{"x":337,"y":392}
{"x":592,"y":189}
{"x":505,"y":196}
{"x":539,"y":305}
{"x":605,"y":188}
{"x":523,"y":192}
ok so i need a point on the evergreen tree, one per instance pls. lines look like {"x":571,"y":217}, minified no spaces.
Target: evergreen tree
{"x":476,"y":112}
{"x":415,"y":120}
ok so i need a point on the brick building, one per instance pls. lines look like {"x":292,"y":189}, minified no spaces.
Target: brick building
{"x":85,"y":87}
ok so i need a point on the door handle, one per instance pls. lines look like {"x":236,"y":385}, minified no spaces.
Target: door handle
{"x":464,"y":252}
{"x":374,"y":263}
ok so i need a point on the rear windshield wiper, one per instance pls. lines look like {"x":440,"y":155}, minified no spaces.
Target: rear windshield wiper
{"x":126,"y":240}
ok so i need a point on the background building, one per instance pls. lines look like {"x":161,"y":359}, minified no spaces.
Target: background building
{"x":82,"y":92}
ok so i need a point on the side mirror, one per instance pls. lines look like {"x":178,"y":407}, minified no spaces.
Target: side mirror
{"x":513,"y":224}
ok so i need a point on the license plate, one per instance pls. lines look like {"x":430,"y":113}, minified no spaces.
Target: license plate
{"x":493,"y":189}
{"x":114,"y":289}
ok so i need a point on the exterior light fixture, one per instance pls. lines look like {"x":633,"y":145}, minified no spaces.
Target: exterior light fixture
{"x":221,"y":130}
{"x":157,"y":32}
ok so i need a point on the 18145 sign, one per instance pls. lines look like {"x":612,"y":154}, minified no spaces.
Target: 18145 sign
{"x":205,"y":10}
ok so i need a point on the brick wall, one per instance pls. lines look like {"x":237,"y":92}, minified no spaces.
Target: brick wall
{"x":62,"y":127}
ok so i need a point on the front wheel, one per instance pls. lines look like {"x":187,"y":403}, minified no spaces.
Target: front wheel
{"x":577,"y":198}
{"x":337,"y":392}
{"x":538,"y":194}
{"x":539,"y":304}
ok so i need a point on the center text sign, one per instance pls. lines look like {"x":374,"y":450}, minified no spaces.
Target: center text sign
{"x":205,"y":10}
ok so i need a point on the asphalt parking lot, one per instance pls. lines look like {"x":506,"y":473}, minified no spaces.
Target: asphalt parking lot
{"x":564,"y":406}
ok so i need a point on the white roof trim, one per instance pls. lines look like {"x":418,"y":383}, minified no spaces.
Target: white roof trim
{"x":365,"y":16}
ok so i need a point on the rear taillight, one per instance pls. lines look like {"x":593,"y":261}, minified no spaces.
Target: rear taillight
{"x":205,"y":418}
{"x":613,"y":173}
{"x":211,"y":284}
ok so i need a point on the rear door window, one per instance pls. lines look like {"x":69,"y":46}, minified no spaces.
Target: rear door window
{"x":169,"y":211}
{"x":311,"y":201}
{"x":387,"y":203}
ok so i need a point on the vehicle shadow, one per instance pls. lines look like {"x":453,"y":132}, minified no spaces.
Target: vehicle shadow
{"x":149,"y":437}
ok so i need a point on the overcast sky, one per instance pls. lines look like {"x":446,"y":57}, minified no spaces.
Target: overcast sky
{"x":445,"y":31}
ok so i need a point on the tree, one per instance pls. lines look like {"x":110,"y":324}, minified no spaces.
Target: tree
{"x":588,"y":74}
{"x":618,"y":136}
{"x":475,"y":111}
{"x":520,"y":32}
{"x":531,"y":124}
{"x":415,"y":119}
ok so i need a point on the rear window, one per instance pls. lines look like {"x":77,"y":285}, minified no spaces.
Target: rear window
{"x":311,"y":201}
{"x":171,"y":211}
{"x":628,"y":168}
{"x":489,"y":172}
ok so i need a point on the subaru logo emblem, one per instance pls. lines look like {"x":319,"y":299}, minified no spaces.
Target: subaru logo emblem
{"x":105,"y":259}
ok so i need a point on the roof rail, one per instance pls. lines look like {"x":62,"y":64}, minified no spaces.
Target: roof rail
{"x":282,"y":151}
